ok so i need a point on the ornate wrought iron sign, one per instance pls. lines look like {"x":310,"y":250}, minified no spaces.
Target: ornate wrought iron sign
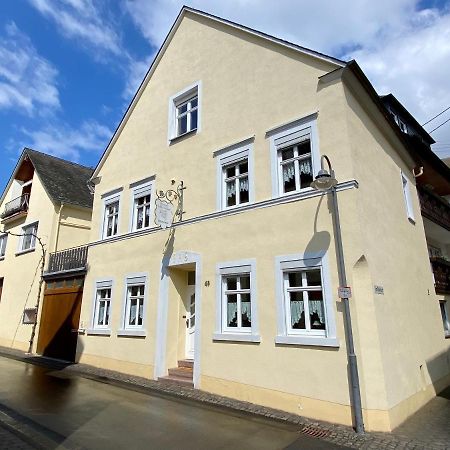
{"x":169,"y":206}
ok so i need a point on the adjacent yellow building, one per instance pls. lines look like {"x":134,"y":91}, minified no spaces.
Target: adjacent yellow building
{"x":46,"y":206}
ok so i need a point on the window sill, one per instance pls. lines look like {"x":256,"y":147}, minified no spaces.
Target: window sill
{"x":107,"y":238}
{"x":28,"y":250}
{"x":174,"y":139}
{"x":447,"y":335}
{"x":237,"y":337}
{"x":298,"y":191}
{"x":318,"y":341}
{"x":2,"y":258}
{"x":129,"y":332}
{"x":98,"y":331}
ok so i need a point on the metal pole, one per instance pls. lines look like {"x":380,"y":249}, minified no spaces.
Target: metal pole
{"x":352,"y":362}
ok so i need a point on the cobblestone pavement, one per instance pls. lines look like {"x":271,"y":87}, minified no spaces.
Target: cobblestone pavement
{"x":10,"y":441}
{"x":413,"y":434}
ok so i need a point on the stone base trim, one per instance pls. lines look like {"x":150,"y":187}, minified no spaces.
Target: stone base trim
{"x":126,"y":367}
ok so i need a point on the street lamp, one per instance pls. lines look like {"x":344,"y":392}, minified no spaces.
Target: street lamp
{"x":325,"y":180}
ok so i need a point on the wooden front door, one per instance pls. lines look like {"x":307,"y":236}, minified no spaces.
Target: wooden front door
{"x":60,"y":318}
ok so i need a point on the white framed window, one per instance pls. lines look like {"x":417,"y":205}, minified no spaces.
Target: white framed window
{"x":406,"y":187}
{"x":235,"y":175}
{"x":102,"y":307}
{"x":133,"y":317}
{"x":236,"y":307}
{"x":3,"y":241}
{"x":445,"y":314}
{"x":294,"y":155}
{"x":185,"y":111}
{"x":28,"y":239}
{"x":304,"y":304}
{"x":111,"y":214}
{"x":142,"y":201}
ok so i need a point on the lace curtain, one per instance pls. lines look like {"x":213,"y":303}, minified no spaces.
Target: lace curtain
{"x":305,"y":167}
{"x":315,"y":307}
{"x":289,"y":170}
{"x":243,"y":184}
{"x":232,"y":319}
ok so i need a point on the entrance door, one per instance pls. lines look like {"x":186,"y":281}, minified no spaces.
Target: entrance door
{"x":58,"y":329}
{"x":190,"y":322}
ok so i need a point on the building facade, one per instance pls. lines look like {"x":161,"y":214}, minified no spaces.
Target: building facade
{"x":46,"y":207}
{"x":243,"y":285}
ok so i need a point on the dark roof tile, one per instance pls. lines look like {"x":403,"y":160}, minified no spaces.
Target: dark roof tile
{"x":64,"y":181}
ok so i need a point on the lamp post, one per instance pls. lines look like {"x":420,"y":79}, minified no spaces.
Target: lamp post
{"x":325,"y":180}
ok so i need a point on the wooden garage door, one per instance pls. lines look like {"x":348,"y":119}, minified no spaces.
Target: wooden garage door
{"x":60,"y":319}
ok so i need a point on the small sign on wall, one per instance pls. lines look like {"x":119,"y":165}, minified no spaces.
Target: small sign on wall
{"x":29,"y":316}
{"x":378,"y":290}
{"x":345,"y":292}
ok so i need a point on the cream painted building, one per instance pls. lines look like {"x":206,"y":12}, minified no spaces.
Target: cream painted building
{"x":45,"y":198}
{"x":243,"y":285}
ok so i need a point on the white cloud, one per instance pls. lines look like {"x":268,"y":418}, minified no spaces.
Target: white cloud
{"x":403,"y":49}
{"x":27,"y":80}
{"x":82,"y":20}
{"x":66,"y":142}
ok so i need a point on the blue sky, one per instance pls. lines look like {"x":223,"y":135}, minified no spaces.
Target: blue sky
{"x":69,"y":68}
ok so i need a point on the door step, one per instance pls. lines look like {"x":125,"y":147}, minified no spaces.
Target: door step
{"x":183,"y":374}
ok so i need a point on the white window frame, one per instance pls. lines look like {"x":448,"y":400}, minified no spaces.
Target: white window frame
{"x":406,"y":188}
{"x":3,"y":243}
{"x":233,"y":154}
{"x":222,"y":332}
{"x":139,"y":189}
{"x":134,"y":330}
{"x":108,"y":199}
{"x":446,"y":318}
{"x":34,"y":225}
{"x":288,"y":135}
{"x":285,"y":335}
{"x":95,"y":328}
{"x":189,"y":92}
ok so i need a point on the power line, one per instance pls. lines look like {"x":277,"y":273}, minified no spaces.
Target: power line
{"x":442,"y":112}
{"x":439,"y":126}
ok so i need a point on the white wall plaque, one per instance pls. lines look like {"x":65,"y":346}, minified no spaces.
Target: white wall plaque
{"x":163,"y":213}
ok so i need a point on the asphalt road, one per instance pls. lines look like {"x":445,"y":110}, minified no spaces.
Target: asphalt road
{"x":82,"y":413}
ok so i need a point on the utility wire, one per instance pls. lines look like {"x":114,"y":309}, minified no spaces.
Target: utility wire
{"x":442,"y":112}
{"x":439,"y":126}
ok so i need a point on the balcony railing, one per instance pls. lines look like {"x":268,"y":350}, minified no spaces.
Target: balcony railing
{"x":70,"y":260}
{"x":18,"y":205}
{"x":434,"y":208}
{"x":441,"y":272}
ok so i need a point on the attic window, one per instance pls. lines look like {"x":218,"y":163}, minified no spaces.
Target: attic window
{"x":184,"y":112}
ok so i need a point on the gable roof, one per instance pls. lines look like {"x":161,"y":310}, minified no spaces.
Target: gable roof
{"x":167,"y":40}
{"x":64,"y":181}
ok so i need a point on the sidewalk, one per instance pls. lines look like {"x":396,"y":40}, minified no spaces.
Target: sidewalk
{"x":428,"y":429}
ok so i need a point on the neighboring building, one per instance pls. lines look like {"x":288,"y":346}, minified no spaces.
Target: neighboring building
{"x":48,"y":198}
{"x":433,"y":187}
{"x":244,"y":287}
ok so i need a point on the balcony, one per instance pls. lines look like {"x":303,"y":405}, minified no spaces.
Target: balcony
{"x":15,"y":208}
{"x":71,"y":261}
{"x":434,"y":207}
{"x":441,"y":272}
